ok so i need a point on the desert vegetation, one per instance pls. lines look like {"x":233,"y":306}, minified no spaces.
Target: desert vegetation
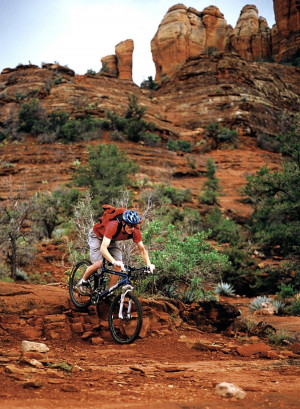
{"x":193,"y":253}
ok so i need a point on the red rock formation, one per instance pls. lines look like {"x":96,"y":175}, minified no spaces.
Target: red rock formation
{"x":119,"y":65}
{"x":217,"y":29}
{"x":110,"y":65}
{"x":186,"y":33}
{"x":124,"y":52}
{"x":251,"y":37}
{"x":286,"y":35}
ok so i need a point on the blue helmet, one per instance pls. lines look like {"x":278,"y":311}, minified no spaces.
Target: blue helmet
{"x":131,"y":216}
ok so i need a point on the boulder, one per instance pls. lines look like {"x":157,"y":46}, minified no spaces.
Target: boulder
{"x":211,"y":315}
{"x":229,"y":390}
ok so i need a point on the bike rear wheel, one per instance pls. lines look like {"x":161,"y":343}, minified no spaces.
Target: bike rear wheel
{"x":81,"y":301}
{"x":125,"y":321}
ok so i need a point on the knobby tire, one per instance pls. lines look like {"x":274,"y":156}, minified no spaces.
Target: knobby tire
{"x":80,"y":301}
{"x":125,"y":330}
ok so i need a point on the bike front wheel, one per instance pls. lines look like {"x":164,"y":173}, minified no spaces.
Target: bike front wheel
{"x":125,"y":318}
{"x":80,"y":300}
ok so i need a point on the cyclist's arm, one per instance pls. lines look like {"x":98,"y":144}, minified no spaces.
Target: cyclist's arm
{"x":104,"y":250}
{"x":144,"y":253}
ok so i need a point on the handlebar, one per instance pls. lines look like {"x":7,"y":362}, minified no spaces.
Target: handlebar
{"x":129,"y":269}
{"x":144,"y":269}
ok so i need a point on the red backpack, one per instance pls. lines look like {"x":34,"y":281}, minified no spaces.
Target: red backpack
{"x":110,"y":213}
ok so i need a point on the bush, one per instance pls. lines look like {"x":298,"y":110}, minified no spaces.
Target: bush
{"x":180,"y":145}
{"x":32,"y":117}
{"x":182,"y":260}
{"x":210,"y":188}
{"x":162,"y":194}
{"x":286,"y":291}
{"x":106,"y":173}
{"x":267,"y":143}
{"x":276,"y":197}
{"x":150,"y":139}
{"x":223,"y":229}
{"x":149,"y":84}
{"x":220,"y":134}
{"x":184,"y":219}
{"x":294,"y":307}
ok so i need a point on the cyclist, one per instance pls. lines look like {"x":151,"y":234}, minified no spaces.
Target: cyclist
{"x":105,"y":245}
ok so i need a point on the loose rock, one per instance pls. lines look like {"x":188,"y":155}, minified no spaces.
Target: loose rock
{"x":229,"y":390}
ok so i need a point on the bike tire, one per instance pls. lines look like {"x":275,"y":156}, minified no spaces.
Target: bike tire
{"x":125,"y":330}
{"x":80,"y":301}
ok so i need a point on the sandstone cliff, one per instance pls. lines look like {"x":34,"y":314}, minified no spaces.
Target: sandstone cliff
{"x":242,"y":95}
{"x":286,"y":38}
{"x":186,"y":33}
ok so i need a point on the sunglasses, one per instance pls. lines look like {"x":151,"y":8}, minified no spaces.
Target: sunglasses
{"x":131,"y":226}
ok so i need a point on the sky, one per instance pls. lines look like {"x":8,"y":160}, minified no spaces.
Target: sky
{"x":78,"y":33}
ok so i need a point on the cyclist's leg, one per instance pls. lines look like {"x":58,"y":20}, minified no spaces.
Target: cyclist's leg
{"x":95,"y":255}
{"x":116,"y":252}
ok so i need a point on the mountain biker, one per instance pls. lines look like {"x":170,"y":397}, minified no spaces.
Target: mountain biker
{"x":105,"y":245}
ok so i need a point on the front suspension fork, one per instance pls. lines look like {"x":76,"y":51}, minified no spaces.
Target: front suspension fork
{"x":126,"y":289}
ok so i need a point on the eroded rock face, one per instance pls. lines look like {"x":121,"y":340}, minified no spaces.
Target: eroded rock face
{"x":286,"y":39}
{"x":217,"y":30}
{"x":110,"y":65}
{"x":124,"y":52}
{"x":186,"y":33}
{"x":251,"y":37}
{"x":119,"y":65}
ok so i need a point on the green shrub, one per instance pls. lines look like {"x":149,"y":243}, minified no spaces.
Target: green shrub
{"x":90,"y":72}
{"x":21,"y":275}
{"x":58,"y":80}
{"x":223,"y":229}
{"x":286,"y":291}
{"x":180,"y":145}
{"x":294,"y":307}
{"x":184,"y":260}
{"x":211,"y":188}
{"x":184,"y":219}
{"x":267,"y":143}
{"x":162,"y":194}
{"x":219,"y":134}
{"x":32,"y":117}
{"x":278,"y":337}
{"x":150,"y":139}
{"x":149,"y":84}
{"x":276,"y":195}
{"x":117,"y":122}
{"x":106,"y":174}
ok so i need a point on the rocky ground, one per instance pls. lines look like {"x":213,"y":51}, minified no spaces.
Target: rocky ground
{"x":175,"y":364}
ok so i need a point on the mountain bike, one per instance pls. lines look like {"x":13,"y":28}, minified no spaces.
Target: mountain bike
{"x":125,"y":313}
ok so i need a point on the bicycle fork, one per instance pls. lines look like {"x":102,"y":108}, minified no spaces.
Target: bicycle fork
{"x":126,"y":289}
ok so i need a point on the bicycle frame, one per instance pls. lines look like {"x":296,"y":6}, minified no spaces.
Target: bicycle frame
{"x":125,"y":283}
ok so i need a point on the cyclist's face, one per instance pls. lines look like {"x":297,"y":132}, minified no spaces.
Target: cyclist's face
{"x":129,"y":228}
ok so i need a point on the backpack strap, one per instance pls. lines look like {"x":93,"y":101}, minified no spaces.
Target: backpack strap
{"x":130,"y":236}
{"x":119,"y":228}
